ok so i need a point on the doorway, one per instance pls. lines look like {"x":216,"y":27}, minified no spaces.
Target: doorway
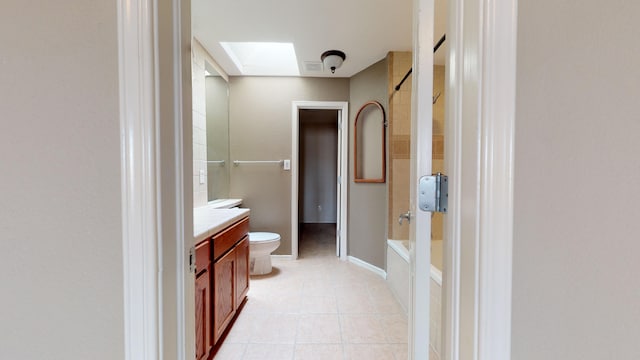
{"x":481,"y":97}
{"x":340,"y":109}
{"x":317,"y":178}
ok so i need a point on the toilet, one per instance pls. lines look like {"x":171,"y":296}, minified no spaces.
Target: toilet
{"x":261,"y":245}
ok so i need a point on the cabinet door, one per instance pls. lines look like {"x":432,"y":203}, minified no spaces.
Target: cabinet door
{"x":203,"y":316}
{"x":224,"y":295}
{"x":242,"y":270}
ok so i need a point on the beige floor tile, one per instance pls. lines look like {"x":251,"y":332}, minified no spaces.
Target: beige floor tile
{"x":319,"y":329}
{"x":386,"y":305}
{"x":396,"y":328}
{"x":271,"y":304}
{"x":318,"y":288}
{"x":230,"y":351}
{"x":364,"y":329}
{"x":243,"y":327}
{"x":401,"y":352}
{"x":275,"y":329}
{"x":318,"y":305}
{"x":368,"y":352}
{"x":319,"y":352}
{"x":268,"y":352}
{"x":355,"y":303}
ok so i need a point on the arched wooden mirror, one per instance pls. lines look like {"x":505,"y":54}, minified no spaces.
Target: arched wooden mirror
{"x":369,"y":151}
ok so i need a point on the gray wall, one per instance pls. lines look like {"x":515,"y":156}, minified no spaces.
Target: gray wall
{"x":60,"y":219}
{"x":367,"y":213}
{"x":318,"y":166}
{"x":576,"y":290}
{"x":260,"y":129}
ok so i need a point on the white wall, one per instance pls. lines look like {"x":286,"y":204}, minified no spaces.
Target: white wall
{"x":576,"y":290}
{"x":60,"y":218}
{"x":318,"y":166}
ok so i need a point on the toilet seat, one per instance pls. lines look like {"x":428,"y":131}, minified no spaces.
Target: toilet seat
{"x":260,"y":237}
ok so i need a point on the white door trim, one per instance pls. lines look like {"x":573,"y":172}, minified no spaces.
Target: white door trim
{"x":421,"y":164}
{"x":343,"y":107}
{"x":481,"y":75}
{"x":158,"y":288}
{"x":496,"y":191}
{"x":138,"y":164}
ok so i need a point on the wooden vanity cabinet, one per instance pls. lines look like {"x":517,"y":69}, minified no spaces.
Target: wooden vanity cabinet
{"x":242,"y":270}
{"x":203,"y":301}
{"x":224,"y":281}
{"x":230,"y":282}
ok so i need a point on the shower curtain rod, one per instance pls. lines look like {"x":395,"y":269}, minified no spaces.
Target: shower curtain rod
{"x":411,"y":70}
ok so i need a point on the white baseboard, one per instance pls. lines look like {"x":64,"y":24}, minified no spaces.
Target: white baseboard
{"x":374,"y":269}
{"x":282,"y":257}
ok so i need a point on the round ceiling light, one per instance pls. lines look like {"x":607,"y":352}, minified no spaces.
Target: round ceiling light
{"x":332,"y":59}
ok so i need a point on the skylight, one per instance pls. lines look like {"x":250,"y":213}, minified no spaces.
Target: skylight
{"x":263,"y":58}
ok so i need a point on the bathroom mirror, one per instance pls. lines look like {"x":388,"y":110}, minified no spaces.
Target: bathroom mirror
{"x":217,"y":113}
{"x":369,"y":151}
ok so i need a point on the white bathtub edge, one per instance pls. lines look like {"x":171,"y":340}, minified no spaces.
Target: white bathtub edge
{"x":403,"y":252}
{"x":363,"y":264}
{"x":436,"y":275}
{"x":399,"y":249}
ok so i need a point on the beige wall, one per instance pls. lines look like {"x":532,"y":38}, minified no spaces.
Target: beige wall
{"x":260,"y":129}
{"x":576,"y":292}
{"x":60,"y":219}
{"x":367,"y":201}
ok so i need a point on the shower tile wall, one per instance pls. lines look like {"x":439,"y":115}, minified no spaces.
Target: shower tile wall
{"x":199,"y":126}
{"x":438,"y":141}
{"x":400,"y":141}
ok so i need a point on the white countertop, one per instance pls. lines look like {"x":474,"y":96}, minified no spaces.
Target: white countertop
{"x":209,"y":220}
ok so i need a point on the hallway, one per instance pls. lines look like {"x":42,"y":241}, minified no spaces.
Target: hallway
{"x":318,"y":307}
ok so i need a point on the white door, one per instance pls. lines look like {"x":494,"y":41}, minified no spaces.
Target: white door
{"x":421,"y":155}
{"x":339,"y":183}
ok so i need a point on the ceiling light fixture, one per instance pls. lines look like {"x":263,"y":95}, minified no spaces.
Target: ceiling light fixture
{"x":332,"y":59}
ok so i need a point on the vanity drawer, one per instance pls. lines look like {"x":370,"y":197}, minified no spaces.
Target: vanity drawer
{"x":226,"y":239}
{"x":203,"y":256}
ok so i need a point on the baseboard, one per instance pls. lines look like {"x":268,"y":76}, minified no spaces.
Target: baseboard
{"x":363,"y":264}
{"x":282,"y":257}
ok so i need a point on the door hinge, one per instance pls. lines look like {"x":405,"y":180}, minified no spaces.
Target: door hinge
{"x":434,"y":193}
{"x":192,"y":259}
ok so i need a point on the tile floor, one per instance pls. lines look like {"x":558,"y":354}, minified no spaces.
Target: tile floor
{"x":318,"y":308}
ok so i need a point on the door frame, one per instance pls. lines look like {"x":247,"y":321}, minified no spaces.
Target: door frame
{"x":421,"y":164}
{"x":343,"y":160}
{"x":479,"y":143}
{"x":157,"y":285}
{"x":154,"y":62}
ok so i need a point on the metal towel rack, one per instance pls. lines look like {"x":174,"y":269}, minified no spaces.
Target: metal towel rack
{"x":221,"y":162}
{"x":238,"y":162}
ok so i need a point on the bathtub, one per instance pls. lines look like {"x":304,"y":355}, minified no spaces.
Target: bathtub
{"x":399,"y":280}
